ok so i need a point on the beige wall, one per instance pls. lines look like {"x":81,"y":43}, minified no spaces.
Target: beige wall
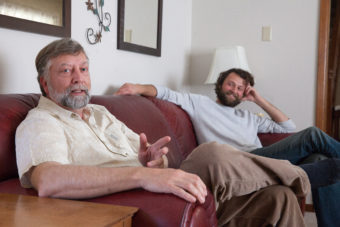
{"x":109,"y":67}
{"x":285,"y":68}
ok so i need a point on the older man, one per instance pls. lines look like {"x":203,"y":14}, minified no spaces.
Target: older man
{"x":71,"y":149}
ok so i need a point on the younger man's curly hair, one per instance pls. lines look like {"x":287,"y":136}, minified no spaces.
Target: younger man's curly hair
{"x":240,"y":72}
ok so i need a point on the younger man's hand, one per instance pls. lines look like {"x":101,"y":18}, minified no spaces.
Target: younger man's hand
{"x":127,"y":89}
{"x":250,"y":94}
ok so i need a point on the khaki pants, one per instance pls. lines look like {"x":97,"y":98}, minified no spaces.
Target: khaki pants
{"x":247,"y":188}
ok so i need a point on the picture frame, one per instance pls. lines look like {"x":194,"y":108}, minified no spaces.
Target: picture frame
{"x":138,"y":48}
{"x":64,"y":30}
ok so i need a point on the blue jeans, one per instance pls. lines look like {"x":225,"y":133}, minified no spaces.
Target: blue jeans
{"x":297,"y":147}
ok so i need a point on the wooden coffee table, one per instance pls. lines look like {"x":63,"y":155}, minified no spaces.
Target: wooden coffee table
{"x":21,"y":210}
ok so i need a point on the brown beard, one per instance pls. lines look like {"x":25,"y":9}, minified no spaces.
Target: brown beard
{"x":222,"y":97}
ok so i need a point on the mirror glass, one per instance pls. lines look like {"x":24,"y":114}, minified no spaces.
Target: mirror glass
{"x":48,"y":17}
{"x":139,"y":26}
{"x":47,"y":12}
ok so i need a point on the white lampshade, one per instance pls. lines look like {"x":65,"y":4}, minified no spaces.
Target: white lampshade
{"x":226,"y":58}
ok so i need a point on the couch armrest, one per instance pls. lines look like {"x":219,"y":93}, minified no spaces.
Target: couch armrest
{"x":270,"y":138}
{"x":155,"y":209}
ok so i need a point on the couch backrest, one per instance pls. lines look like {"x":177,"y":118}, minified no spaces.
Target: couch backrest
{"x":156,"y":118}
{"x":13,"y":109}
{"x":181,"y":125}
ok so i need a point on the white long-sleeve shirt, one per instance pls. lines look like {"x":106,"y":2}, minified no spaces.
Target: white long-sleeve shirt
{"x":223,"y":124}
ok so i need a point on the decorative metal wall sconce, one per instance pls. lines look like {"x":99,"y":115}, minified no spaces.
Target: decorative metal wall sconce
{"x":95,"y":38}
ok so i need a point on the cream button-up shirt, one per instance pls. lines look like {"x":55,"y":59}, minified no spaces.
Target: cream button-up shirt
{"x":52,"y":133}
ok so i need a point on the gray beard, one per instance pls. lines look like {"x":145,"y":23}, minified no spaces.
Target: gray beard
{"x":67,"y":100}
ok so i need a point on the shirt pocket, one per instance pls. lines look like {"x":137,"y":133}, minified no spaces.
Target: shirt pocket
{"x":116,"y":140}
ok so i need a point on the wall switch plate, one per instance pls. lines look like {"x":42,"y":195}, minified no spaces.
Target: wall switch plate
{"x":266,"y":33}
{"x":128,"y":36}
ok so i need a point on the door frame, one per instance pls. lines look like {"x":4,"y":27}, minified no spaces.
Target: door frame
{"x":321,"y":114}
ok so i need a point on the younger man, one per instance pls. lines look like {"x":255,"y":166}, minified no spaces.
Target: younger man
{"x":220,"y":121}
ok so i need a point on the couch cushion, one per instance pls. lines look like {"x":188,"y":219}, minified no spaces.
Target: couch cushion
{"x":12,"y":186}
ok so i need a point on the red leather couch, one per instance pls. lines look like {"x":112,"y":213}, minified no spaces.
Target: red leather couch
{"x":154,"y":117}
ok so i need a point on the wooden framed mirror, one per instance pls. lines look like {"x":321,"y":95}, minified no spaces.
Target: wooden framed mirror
{"x":140,"y":26}
{"x":52,"y":17}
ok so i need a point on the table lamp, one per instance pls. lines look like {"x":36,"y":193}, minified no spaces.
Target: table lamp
{"x":226,"y":58}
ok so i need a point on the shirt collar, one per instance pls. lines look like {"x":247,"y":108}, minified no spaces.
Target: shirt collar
{"x":55,"y":109}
